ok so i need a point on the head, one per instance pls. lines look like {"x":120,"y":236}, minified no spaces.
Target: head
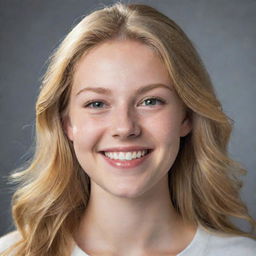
{"x":203,"y":128}
{"x":122,"y":96}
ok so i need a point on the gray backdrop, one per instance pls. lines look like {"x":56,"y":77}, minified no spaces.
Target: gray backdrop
{"x":223,"y":32}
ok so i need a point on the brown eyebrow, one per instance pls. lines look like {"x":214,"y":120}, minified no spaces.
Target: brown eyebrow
{"x":142,"y":90}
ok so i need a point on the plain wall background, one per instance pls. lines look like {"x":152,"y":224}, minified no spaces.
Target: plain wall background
{"x":222,"y":31}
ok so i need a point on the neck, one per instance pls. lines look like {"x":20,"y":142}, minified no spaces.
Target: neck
{"x":128,"y":225}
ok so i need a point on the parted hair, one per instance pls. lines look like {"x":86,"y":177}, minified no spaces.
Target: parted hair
{"x":53,"y":189}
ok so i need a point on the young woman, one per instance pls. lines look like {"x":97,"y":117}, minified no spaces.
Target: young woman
{"x":131,"y":155}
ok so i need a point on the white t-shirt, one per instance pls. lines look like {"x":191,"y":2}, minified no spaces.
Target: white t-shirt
{"x":204,"y":243}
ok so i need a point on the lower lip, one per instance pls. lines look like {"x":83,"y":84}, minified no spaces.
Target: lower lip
{"x":128,"y":163}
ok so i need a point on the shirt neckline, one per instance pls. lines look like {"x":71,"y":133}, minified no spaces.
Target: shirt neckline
{"x":196,"y":246}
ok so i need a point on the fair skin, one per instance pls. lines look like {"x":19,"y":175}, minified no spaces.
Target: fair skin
{"x":129,"y":211}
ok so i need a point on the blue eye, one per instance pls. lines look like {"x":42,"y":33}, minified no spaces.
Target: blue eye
{"x":153,"y":100}
{"x":94,"y":104}
{"x":148,"y":102}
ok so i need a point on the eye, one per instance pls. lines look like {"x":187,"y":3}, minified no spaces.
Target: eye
{"x":94,"y":104}
{"x":148,"y":102}
{"x":153,"y":101}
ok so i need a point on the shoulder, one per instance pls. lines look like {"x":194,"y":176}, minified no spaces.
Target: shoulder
{"x":222,"y":244}
{"x":8,"y":240}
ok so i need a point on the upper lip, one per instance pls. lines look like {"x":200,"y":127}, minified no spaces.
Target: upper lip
{"x":125,"y":149}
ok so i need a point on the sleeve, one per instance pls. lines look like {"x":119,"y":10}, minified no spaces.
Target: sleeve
{"x":8,"y":240}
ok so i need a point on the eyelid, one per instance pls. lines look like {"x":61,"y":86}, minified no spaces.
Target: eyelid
{"x":92,"y":101}
{"x":156,"y":98}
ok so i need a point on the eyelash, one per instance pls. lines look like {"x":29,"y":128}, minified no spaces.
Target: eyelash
{"x":87,"y":105}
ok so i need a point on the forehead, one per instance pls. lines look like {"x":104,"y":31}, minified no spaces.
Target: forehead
{"x":120,"y":63}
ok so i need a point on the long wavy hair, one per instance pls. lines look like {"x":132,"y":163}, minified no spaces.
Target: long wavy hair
{"x":54,"y":190}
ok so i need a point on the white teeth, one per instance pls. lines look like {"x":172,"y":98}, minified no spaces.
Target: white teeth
{"x":125,"y":155}
{"x":128,"y":156}
{"x":121,"y":156}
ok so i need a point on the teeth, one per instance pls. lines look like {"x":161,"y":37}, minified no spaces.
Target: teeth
{"x":124,"y":156}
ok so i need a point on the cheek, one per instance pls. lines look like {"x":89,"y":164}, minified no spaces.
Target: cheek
{"x":86,"y":133}
{"x":164,"y":131}
{"x":165,"y":127}
{"x":85,"y":138}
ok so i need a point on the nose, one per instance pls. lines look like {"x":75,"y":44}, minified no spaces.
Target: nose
{"x":124,"y":123}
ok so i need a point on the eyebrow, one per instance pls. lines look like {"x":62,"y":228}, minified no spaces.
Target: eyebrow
{"x":102,"y":90}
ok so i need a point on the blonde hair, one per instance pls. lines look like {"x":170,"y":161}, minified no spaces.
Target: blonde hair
{"x":203,"y":181}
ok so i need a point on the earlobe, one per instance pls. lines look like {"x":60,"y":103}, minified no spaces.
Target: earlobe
{"x":186,"y":127}
{"x":67,"y":128}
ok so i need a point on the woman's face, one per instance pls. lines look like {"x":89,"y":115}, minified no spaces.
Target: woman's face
{"x":123,"y":101}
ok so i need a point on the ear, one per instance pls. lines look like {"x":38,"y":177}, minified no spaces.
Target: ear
{"x":186,"y":126}
{"x":67,"y":127}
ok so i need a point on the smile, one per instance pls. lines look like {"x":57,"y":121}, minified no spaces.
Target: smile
{"x":126,"y":156}
{"x":126,"y":159}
